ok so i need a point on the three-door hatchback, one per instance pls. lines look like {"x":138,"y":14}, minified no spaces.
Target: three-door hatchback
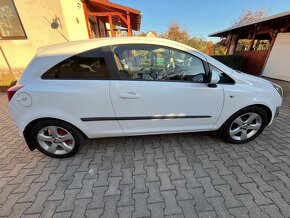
{"x":135,"y":86}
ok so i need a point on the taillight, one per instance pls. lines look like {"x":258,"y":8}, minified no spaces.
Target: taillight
{"x":11,"y":92}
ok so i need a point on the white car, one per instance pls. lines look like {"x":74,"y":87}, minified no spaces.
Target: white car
{"x":135,"y":86}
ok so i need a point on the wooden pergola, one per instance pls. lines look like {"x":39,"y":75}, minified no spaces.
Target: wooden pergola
{"x":112,"y":13}
{"x":265,"y":29}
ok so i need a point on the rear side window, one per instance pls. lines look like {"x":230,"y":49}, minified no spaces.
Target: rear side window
{"x":87,"y":65}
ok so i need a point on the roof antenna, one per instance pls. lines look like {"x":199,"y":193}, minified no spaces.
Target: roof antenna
{"x":55,"y":25}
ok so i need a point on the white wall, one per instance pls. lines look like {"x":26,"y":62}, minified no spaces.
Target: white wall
{"x":278,"y":64}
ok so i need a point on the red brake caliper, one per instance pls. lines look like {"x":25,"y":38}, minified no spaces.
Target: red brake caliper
{"x":62,"y":132}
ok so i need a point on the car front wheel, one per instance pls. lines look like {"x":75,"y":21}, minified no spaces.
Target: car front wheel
{"x":56,"y":138}
{"x":245,"y":125}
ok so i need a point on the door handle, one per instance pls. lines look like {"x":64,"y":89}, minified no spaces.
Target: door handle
{"x":129,"y":95}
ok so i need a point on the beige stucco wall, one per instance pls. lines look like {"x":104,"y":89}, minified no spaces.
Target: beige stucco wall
{"x":75,"y":21}
{"x":39,"y":31}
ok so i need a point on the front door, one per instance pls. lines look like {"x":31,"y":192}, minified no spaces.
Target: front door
{"x":162,"y":90}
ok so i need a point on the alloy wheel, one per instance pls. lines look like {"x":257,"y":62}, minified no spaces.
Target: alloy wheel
{"x":245,"y":126}
{"x":56,"y":140}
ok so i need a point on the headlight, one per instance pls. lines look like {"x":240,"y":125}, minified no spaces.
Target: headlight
{"x":278,"y":89}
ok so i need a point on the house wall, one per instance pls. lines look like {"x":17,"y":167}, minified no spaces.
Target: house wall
{"x":75,"y":20}
{"x":36,"y":17}
{"x":278,"y":65}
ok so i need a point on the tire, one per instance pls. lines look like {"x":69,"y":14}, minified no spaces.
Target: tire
{"x":56,"y":138}
{"x":244,"y":126}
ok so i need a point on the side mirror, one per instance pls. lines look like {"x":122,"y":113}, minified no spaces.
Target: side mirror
{"x":214,"y":78}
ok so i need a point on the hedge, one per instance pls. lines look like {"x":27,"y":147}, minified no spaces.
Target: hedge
{"x":234,"y":61}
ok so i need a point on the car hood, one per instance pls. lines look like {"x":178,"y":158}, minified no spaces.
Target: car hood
{"x":247,"y":78}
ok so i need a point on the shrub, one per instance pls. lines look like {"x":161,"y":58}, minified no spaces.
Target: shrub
{"x":7,"y":79}
{"x":233,"y":61}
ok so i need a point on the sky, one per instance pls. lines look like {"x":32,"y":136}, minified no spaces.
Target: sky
{"x":199,"y":17}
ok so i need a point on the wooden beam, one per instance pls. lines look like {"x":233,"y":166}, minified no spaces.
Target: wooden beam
{"x":99,"y":29}
{"x":87,"y":20}
{"x":252,"y":41}
{"x":111,"y":25}
{"x":129,"y":24}
{"x":104,"y":14}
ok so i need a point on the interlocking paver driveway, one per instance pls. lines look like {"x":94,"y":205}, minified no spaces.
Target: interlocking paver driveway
{"x":179,"y":175}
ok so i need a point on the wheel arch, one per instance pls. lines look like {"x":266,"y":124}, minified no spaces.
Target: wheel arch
{"x":27,"y":129}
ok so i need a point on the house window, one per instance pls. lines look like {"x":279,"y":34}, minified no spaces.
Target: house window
{"x":10,"y":23}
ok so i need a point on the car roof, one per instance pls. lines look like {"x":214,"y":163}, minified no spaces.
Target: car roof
{"x":75,"y":47}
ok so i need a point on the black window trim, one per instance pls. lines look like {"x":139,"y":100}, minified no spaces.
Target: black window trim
{"x":21,"y":24}
{"x":104,"y":52}
{"x":116,"y":76}
{"x":233,"y":83}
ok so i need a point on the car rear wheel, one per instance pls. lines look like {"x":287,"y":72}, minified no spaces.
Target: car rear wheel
{"x":245,"y":125}
{"x":56,"y":138}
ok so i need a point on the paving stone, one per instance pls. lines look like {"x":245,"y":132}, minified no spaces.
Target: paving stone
{"x":93,"y":213}
{"x":235,"y":186}
{"x":285,"y":192}
{"x":272,"y":210}
{"x":241,"y":177}
{"x":127,"y":176}
{"x":171,"y":206}
{"x":126,"y":196}
{"x":263,"y":186}
{"x":69,"y":173}
{"x":151,"y":174}
{"x":6,"y":192}
{"x":86,"y":191}
{"x":239,"y":212}
{"x":125,"y":212}
{"x":191,"y":181}
{"x":280,"y":202}
{"x":68,"y":202}
{"x":222,"y":170}
{"x":6,"y":208}
{"x":264,"y":173}
{"x":97,"y":200}
{"x":157,"y":209}
{"x":220,"y":208}
{"x":49,"y":208}
{"x":102,"y":178}
{"x":30,"y":195}
{"x":202,"y":204}
{"x":229,"y":197}
{"x":51,"y":184}
{"x":208,"y":187}
{"x":58,"y":193}
{"x":253,"y":209}
{"x":140,"y":184}
{"x":215,"y":177}
{"x":139,"y":168}
{"x":207,"y":214}
{"x":19,"y":209}
{"x":165,"y":181}
{"x":187,"y":207}
{"x":80,"y":208}
{"x":38,"y":204}
{"x":245,"y":167}
{"x":161,"y":166}
{"x":182,"y":192}
{"x":113,"y":186}
{"x":141,"y":209}
{"x":154,"y":192}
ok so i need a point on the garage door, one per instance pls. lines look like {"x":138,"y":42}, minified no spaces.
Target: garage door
{"x":278,"y":64}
